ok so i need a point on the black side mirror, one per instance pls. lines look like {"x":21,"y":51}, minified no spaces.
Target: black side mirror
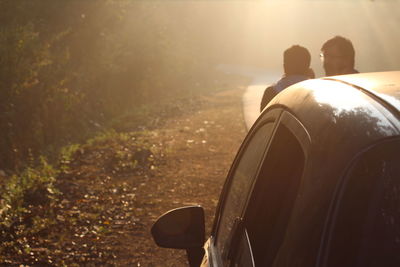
{"x":181,"y":228}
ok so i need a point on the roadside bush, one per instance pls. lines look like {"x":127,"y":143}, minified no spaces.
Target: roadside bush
{"x":26,"y":206}
{"x":69,"y":68}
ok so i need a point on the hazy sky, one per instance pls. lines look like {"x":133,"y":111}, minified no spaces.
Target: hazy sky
{"x":256,"y":32}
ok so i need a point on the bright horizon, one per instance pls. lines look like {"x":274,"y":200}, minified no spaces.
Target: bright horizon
{"x":256,"y":33}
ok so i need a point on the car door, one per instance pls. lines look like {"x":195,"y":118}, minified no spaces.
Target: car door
{"x":253,"y":215}
{"x":364,"y":227}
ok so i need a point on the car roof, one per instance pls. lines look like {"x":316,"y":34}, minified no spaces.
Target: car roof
{"x":360,"y":105}
{"x":383,"y":85}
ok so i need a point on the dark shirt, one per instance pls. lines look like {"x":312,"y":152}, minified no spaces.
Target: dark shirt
{"x":271,"y":91}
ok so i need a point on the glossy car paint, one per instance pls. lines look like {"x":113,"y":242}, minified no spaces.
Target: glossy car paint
{"x":343,"y":116}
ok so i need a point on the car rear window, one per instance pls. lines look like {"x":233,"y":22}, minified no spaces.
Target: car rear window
{"x":367,"y":226}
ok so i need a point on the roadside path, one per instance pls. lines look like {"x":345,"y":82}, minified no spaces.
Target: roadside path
{"x":260,"y":79}
{"x":114,"y":187}
{"x":200,"y":148}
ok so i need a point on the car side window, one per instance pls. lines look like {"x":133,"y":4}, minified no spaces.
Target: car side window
{"x":366,"y":231}
{"x":241,"y":181}
{"x":268,"y":211}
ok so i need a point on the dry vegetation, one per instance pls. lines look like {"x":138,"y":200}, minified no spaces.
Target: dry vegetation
{"x":71,"y":68}
{"x":110,"y":113}
{"x":99,"y":205}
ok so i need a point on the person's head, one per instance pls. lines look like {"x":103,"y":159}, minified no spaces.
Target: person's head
{"x":338,"y":56}
{"x":296,"y":61}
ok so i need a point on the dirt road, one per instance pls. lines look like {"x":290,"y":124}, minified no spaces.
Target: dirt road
{"x":200,"y":148}
{"x":115,"y":186}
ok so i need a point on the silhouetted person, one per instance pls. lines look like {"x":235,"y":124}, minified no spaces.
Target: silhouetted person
{"x":296,"y":65}
{"x":338,"y":56}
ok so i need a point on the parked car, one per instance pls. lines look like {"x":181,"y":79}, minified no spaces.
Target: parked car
{"x":316,"y":182}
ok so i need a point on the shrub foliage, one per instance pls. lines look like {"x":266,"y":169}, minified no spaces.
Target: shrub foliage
{"x":68,"y":67}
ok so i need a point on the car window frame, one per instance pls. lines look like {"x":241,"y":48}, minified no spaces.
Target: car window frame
{"x":300,"y":133}
{"x":279,"y":115}
{"x":272,"y":115}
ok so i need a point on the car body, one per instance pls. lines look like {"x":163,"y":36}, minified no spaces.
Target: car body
{"x":316,"y":182}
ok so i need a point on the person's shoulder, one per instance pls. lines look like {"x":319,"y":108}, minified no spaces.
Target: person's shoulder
{"x":269,"y":93}
{"x":288,"y":81}
{"x":270,"y":90}
{"x":270,"y":87}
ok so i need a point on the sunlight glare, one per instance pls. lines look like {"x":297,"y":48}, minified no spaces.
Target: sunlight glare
{"x":331,"y":93}
{"x":345,"y":100}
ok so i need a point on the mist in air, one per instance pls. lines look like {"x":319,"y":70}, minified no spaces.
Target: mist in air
{"x":255,"y":33}
{"x":71,"y":68}
{"x":114,"y":111}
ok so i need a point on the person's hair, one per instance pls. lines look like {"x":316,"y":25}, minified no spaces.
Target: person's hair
{"x":344,"y":46}
{"x":296,"y":60}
